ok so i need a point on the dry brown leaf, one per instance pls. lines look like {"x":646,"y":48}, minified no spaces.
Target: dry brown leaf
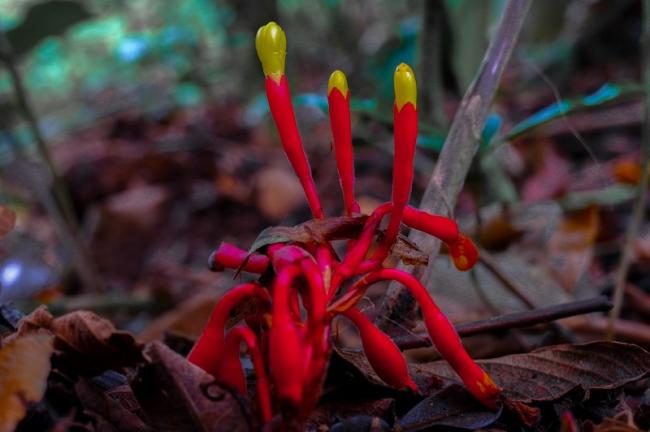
{"x":100,"y":403}
{"x":24,"y":368}
{"x":177,"y":396}
{"x":571,"y":248}
{"x":549,"y":373}
{"x":91,"y":343}
{"x":7,"y":220}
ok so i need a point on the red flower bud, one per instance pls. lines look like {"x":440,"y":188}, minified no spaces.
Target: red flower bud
{"x":443,"y":335}
{"x":438,"y":226}
{"x":209,"y":347}
{"x":383,"y":355}
{"x":270,"y":43}
{"x":286,"y":349}
{"x":464,"y":252}
{"x":231,"y":374}
{"x":358,"y":252}
{"x":405,"y":126}
{"x":338,"y":97}
{"x":230,"y":256}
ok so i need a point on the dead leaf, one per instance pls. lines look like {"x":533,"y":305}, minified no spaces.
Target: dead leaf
{"x":316,"y":230}
{"x":451,"y":407}
{"x":571,"y":248}
{"x":549,"y":373}
{"x":24,"y":368}
{"x":551,"y":177}
{"x":175,"y":395}
{"x":7,"y":220}
{"x":95,"y":400}
{"x":335,"y":228}
{"x":91,"y":343}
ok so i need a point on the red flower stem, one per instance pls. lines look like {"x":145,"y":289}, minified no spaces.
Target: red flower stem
{"x":358,"y":252}
{"x":209,"y":347}
{"x":338,"y":98}
{"x":277,"y":93}
{"x":286,"y":348}
{"x":438,"y":226}
{"x":443,"y":335}
{"x":286,"y":255}
{"x":383,"y":355}
{"x":230,"y":370}
{"x":230,"y":256}
{"x":405,"y":131}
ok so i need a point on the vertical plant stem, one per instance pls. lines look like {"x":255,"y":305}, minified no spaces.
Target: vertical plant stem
{"x":642,"y":190}
{"x":460,"y":147}
{"x":58,"y":186}
{"x":31,"y":174}
{"x":432,"y":99}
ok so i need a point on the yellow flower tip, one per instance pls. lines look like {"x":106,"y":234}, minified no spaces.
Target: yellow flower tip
{"x":405,"y":87}
{"x":271,"y":46}
{"x":338,"y":81}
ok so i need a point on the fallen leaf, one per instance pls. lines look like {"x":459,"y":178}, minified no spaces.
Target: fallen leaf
{"x":7,"y":220}
{"x":551,"y":177}
{"x":549,"y":373}
{"x":452,"y":407}
{"x":24,"y":368}
{"x":571,"y":248}
{"x":175,"y":395}
{"x":91,"y":343}
{"x":95,"y":400}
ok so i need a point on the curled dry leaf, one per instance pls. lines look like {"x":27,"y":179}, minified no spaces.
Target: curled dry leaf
{"x":177,"y":396}
{"x":24,"y":367}
{"x":91,"y":343}
{"x":7,"y":220}
{"x":102,"y":404}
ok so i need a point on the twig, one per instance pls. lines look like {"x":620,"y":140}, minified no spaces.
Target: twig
{"x":460,"y":146}
{"x":515,"y":320}
{"x":60,"y":191}
{"x":29,"y":173}
{"x":642,"y":191}
{"x":627,"y":330}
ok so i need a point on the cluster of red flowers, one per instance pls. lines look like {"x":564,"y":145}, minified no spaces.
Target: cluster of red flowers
{"x":287,"y":330}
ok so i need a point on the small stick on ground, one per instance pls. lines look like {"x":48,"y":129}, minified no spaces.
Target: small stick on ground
{"x":642,"y":191}
{"x":515,"y":320}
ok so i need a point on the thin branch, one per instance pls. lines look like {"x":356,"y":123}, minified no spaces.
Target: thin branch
{"x":515,"y":320}
{"x":58,"y":186}
{"x":642,"y":191}
{"x":461,"y":145}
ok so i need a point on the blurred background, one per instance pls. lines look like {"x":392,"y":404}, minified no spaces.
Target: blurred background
{"x":135,"y":137}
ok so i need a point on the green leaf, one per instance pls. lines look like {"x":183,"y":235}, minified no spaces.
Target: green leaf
{"x":608,"y":93}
